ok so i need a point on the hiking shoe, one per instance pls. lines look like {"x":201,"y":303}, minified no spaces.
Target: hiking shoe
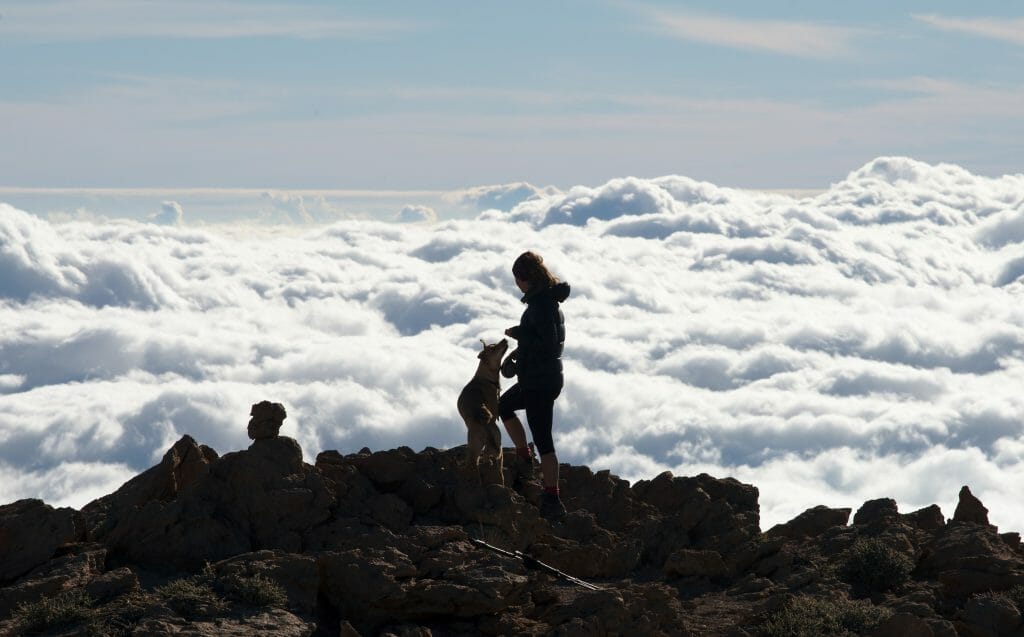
{"x":551,"y":507}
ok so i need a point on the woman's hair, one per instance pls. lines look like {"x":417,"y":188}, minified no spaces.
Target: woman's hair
{"x":529,"y":267}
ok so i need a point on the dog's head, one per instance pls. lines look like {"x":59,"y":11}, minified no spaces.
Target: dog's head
{"x":493,"y":353}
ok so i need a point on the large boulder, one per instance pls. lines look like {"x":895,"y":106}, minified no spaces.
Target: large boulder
{"x":265,"y":420}
{"x":881,"y":511}
{"x":30,"y":533}
{"x":701,"y":512}
{"x":968,"y":558}
{"x":811,"y":523}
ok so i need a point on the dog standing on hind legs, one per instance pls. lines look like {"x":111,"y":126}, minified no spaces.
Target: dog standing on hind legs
{"x":478,"y":406}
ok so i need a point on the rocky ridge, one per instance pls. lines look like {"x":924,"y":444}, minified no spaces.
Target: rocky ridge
{"x":379,"y":543}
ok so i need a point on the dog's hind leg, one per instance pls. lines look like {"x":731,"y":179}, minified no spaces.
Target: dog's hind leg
{"x":476,"y":440}
{"x":494,"y":451}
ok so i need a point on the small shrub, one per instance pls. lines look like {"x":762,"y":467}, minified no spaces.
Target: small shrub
{"x":191,"y":597}
{"x":120,"y":617}
{"x":806,"y":616}
{"x":875,"y":565}
{"x":69,"y":607}
{"x":255,"y":590}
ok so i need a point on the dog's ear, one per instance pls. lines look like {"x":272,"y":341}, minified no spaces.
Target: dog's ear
{"x":484,"y":350}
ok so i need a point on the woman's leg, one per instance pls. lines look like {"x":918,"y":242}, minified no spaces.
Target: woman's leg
{"x":540,"y":409}
{"x":549,"y":470}
{"x":515,"y":430}
{"x":509,"y":402}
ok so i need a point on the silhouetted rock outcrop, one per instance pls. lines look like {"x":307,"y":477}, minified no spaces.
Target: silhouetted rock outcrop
{"x":266,"y":420}
{"x":374,"y":543}
{"x":970,"y":508}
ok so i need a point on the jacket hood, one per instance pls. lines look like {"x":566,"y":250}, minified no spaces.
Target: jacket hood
{"x":559,"y":292}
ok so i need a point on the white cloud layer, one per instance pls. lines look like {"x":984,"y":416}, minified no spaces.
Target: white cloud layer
{"x":862,"y":343}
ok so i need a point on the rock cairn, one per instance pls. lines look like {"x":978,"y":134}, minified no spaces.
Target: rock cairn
{"x":266,"y":420}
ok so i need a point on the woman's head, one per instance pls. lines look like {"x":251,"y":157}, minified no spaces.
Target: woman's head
{"x":529,"y":268}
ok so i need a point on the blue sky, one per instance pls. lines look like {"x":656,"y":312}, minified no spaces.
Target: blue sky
{"x":413,"y":95}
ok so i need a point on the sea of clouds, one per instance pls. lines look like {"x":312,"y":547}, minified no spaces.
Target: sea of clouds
{"x":865,"y":342}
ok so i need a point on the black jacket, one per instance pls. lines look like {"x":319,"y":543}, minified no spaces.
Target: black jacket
{"x":541,"y":336}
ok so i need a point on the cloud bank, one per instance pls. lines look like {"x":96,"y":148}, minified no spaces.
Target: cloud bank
{"x":865,"y":342}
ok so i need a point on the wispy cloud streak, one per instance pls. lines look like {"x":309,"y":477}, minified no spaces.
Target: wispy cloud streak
{"x":1003,"y":29}
{"x":784,"y":37}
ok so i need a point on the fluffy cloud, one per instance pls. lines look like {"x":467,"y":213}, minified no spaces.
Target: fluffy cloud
{"x":171,"y":214}
{"x":498,"y":197}
{"x":861,"y":343}
{"x":278,"y":206}
{"x":416,"y":214}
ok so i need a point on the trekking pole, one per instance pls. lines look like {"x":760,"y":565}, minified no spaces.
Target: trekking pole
{"x":534,"y":564}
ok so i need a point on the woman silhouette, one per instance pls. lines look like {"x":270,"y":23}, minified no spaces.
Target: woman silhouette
{"x":538,"y":367}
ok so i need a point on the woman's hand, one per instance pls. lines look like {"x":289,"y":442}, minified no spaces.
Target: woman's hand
{"x":513,"y":332}
{"x":509,"y":367}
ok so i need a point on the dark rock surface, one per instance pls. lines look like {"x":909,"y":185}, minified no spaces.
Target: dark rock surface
{"x":373,"y":543}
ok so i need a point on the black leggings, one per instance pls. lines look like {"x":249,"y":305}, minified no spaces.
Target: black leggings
{"x":540,"y":408}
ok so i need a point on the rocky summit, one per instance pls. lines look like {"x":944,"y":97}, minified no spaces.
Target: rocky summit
{"x":405,"y":543}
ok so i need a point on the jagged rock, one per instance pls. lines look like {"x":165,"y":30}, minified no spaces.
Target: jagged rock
{"x":992,"y":615}
{"x":606,"y":496}
{"x":811,"y":523}
{"x":929,"y":518}
{"x":111,"y":584}
{"x":77,"y":566}
{"x":266,"y":420}
{"x":580,"y":546}
{"x":378,"y":543}
{"x":968,"y":558}
{"x":30,"y":533}
{"x":184,"y":464}
{"x":347,"y":630}
{"x":261,"y":498}
{"x":388,"y":470}
{"x":702,"y":512}
{"x":378,"y":586}
{"x":688,"y":563}
{"x":970,"y":508}
{"x":880,"y":511}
